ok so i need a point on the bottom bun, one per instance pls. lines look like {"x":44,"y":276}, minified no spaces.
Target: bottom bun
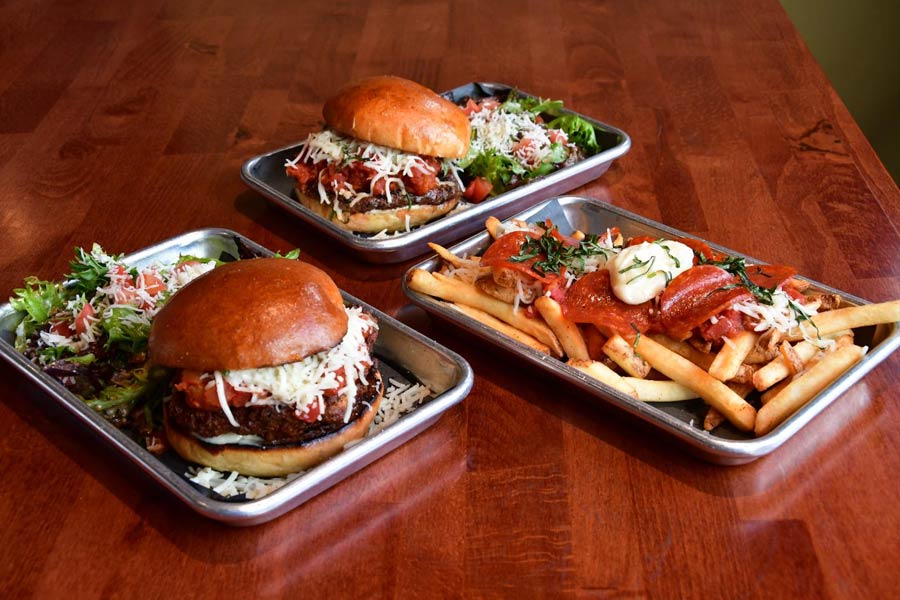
{"x":273,"y":461}
{"x":374,"y":221}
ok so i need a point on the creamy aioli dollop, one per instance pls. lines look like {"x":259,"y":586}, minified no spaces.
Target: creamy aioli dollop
{"x":641,"y":272}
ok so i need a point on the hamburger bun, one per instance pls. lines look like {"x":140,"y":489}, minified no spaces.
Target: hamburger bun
{"x":205,"y":325}
{"x":399,"y":113}
{"x":274,"y":461}
{"x":373,"y":221}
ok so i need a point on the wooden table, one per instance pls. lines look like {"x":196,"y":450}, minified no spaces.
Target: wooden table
{"x":126,"y":123}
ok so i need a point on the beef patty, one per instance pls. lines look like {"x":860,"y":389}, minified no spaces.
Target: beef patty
{"x":276,"y":425}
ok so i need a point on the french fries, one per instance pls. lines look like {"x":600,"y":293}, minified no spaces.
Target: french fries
{"x":775,"y":369}
{"x":679,"y":369}
{"x":802,"y":389}
{"x":850,"y":317}
{"x":435,"y":284}
{"x":604,"y":374}
{"x":566,"y":331}
{"x":654,"y":390}
{"x":498,"y":325}
{"x":621,"y":353}
{"x":730,"y":358}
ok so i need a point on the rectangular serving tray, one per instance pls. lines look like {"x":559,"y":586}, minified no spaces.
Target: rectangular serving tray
{"x":724,"y":445}
{"x":266,"y":174}
{"x":403,"y":354}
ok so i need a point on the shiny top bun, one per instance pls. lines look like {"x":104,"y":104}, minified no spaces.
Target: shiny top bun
{"x":399,"y":113}
{"x":249,"y":314}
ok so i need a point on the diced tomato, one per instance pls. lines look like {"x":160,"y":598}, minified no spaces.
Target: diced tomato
{"x":61,"y":328}
{"x":153,"y":283}
{"x":523,"y":144}
{"x":557,"y":136}
{"x":489,"y":103}
{"x":591,"y":300}
{"x":81,"y":321}
{"x":125,"y":295}
{"x":637,"y":241}
{"x":478,"y":189}
{"x":186,"y":265}
{"x":303,"y":172}
{"x":202,"y":396}
{"x":728,"y":323}
{"x":471,"y":107}
{"x":312,"y":412}
{"x":423,"y":180}
{"x":696,"y":295}
{"x":609,"y":236}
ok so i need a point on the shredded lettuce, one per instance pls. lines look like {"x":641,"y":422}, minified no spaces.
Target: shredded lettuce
{"x":39,"y":300}
{"x":125,"y":329}
{"x":579,"y":131}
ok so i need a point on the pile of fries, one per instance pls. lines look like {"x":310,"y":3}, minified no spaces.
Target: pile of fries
{"x":778,"y":371}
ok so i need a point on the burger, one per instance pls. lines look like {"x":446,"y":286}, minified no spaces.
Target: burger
{"x":383,"y":161}
{"x":273,"y":373}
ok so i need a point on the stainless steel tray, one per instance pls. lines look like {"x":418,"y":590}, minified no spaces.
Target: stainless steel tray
{"x":266,"y":174}
{"x":684,"y":420}
{"x":403,"y":354}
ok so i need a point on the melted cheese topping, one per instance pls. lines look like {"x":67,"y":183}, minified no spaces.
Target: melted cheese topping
{"x":640,"y":273}
{"x":304,"y":384}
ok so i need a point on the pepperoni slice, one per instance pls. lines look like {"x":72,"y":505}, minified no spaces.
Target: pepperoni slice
{"x":591,"y":300}
{"x":507,"y":246}
{"x":701,"y":248}
{"x":770,"y":276}
{"x":696,"y":295}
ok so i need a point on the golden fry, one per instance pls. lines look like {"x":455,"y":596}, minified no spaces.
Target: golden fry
{"x":773,"y":391}
{"x":495,"y":323}
{"x":714,"y":392}
{"x":685,"y":350}
{"x":803,"y":388}
{"x":713,"y":419}
{"x":604,"y":374}
{"x":621,"y":352}
{"x":779,"y":369}
{"x":848,"y":318}
{"x":728,"y":361}
{"x":446,"y":255}
{"x":651,"y":390}
{"x":494,"y":227}
{"x":439,"y":286}
{"x":566,"y":331}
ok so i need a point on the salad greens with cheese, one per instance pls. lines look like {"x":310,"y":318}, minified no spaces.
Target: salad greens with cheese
{"x":513,"y":143}
{"x":90,"y":331}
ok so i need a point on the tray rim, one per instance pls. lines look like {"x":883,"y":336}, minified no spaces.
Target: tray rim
{"x":276,"y":503}
{"x":713,"y":448}
{"x":423,"y":234}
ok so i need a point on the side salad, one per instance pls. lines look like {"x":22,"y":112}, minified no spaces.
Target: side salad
{"x":512,"y":143}
{"x":90,"y":333}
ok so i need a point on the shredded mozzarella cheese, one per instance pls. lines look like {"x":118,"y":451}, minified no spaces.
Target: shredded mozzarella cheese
{"x":304,"y":384}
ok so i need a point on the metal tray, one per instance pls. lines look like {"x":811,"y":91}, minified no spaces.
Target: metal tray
{"x":724,"y":445}
{"x":403,"y":354}
{"x":265,"y":174}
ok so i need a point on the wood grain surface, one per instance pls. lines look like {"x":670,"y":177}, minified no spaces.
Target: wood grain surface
{"x":126,"y":123}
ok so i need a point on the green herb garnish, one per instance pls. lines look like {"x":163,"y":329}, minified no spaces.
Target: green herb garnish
{"x":558,"y":254}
